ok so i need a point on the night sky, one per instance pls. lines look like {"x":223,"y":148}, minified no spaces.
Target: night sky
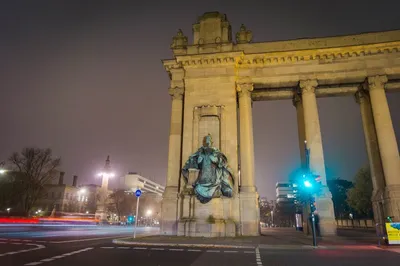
{"x":85,"y":79}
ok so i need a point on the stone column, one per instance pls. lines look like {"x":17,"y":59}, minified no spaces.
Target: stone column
{"x":248,"y":197}
{"x":317,"y":163}
{"x":374,"y":158}
{"x":169,"y":205}
{"x":300,"y":127}
{"x":387,"y":144}
{"x":246,"y":137}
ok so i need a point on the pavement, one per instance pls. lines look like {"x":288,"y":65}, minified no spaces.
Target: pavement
{"x":99,"y":245}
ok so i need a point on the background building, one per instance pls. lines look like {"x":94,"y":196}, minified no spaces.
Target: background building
{"x":62,"y":198}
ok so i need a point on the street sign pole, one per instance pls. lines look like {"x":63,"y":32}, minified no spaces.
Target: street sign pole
{"x":137,"y":193}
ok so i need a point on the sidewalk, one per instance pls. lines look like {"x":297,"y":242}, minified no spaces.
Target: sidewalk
{"x":271,"y":238}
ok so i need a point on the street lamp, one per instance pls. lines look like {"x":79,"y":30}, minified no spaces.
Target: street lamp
{"x":149,"y":212}
{"x":8,"y":210}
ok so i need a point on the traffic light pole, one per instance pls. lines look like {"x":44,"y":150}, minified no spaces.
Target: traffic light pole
{"x":311,"y":198}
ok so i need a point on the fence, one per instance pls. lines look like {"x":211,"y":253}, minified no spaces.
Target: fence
{"x":355,"y":223}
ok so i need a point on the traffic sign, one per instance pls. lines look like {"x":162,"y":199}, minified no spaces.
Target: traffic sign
{"x":138,"y":192}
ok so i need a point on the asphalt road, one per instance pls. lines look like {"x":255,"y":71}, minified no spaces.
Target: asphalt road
{"x":93,"y":246}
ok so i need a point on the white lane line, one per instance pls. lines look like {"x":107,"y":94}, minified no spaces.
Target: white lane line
{"x":57,"y":257}
{"x":139,"y":248}
{"x":258,"y":257}
{"x":46,"y":260}
{"x":27,"y":240}
{"x":24,"y":250}
{"x":81,"y":240}
{"x":214,"y":251}
{"x":157,"y":249}
{"x":123,"y":247}
{"x":107,"y":247}
{"x":176,"y":249}
{"x":250,"y":252}
{"x":230,"y":251}
{"x":194,"y":250}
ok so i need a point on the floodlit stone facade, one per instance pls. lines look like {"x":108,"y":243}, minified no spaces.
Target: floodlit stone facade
{"x":213,"y":82}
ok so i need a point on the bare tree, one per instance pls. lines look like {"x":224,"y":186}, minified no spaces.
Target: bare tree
{"x":32,"y":169}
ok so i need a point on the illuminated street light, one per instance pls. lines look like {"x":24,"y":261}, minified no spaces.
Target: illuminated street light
{"x":307,"y":183}
{"x":82,"y":191}
{"x":2,"y":171}
{"x":149,"y":212}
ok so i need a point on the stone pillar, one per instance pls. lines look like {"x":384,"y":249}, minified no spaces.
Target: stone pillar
{"x":374,"y":158}
{"x":317,"y":163}
{"x":300,"y":127}
{"x":387,"y":145}
{"x":169,"y":205}
{"x":248,"y":196}
{"x":246,"y":137}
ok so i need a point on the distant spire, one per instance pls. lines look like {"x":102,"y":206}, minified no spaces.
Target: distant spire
{"x":107,"y":165}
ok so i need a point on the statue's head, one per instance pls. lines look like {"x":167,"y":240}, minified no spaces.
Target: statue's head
{"x":207,"y":141}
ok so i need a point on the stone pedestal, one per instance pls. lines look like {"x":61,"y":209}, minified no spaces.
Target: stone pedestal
{"x":205,"y":220}
{"x":169,"y":211}
{"x":326,"y":213}
{"x":249,"y":213}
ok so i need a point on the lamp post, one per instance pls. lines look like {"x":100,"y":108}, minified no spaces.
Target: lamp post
{"x":8,"y":211}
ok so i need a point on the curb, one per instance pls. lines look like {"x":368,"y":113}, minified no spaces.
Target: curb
{"x":133,"y":243}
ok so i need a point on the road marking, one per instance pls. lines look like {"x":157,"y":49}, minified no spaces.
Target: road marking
{"x":46,"y":260}
{"x":157,"y":249}
{"x":258,"y":257}
{"x":34,"y":263}
{"x":57,"y":257}
{"x":107,"y":247}
{"x":214,"y":251}
{"x":230,"y":251}
{"x":24,"y":250}
{"x":194,"y":250}
{"x":41,"y":241}
{"x":250,"y":252}
{"x":81,"y":240}
{"x":176,"y":249}
{"x":139,"y":248}
{"x":123,"y":247}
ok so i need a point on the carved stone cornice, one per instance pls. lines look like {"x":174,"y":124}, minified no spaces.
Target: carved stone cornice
{"x":176,"y":93}
{"x":244,"y":89}
{"x":377,"y":82}
{"x":324,"y":55}
{"x":308,"y":86}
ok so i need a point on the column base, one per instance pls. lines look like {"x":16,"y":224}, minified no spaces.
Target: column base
{"x":391,"y":202}
{"x":326,"y":214}
{"x":169,"y":212}
{"x":249,"y":212}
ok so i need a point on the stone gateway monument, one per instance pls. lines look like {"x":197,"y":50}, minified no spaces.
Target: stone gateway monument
{"x":213,"y":82}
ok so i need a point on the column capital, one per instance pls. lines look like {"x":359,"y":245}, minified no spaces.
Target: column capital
{"x":308,"y":86}
{"x":360,"y":96}
{"x":377,"y":82}
{"x":296,"y":99}
{"x":244,"y":89}
{"x":176,"y":93}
